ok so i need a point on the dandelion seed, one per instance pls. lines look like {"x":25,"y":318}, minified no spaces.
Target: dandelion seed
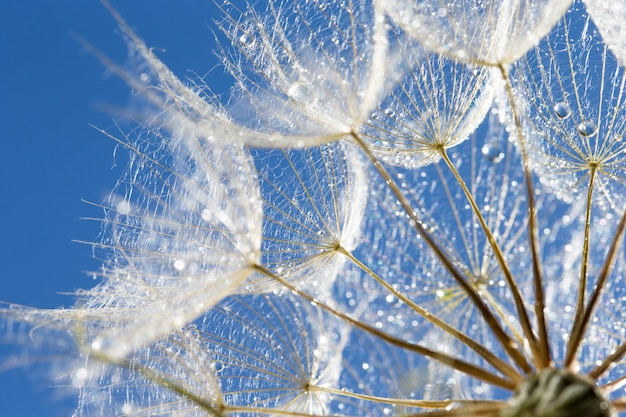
{"x":490,"y":32}
{"x":277,"y":354}
{"x":172,"y":376}
{"x":320,"y":82}
{"x":436,"y":106}
{"x":578,"y":145}
{"x":292,"y":104}
{"x":190,"y":241}
{"x":314,"y":203}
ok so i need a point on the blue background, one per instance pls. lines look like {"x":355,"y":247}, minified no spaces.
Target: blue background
{"x":51,"y":90}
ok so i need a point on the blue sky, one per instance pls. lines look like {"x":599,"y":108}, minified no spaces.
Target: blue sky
{"x":51,"y":91}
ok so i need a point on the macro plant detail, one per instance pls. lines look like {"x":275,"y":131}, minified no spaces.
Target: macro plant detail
{"x":489,"y":32}
{"x":407,"y":208}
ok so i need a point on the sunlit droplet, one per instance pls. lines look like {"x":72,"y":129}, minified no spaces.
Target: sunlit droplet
{"x":492,"y":152}
{"x":246,"y":40}
{"x":123,"y":207}
{"x":562,"y":110}
{"x":79,"y":377}
{"x":389,"y":112}
{"x":587,"y":128}
{"x":179,"y":264}
{"x":295,"y":92}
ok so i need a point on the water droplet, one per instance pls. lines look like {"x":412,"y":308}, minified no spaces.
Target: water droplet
{"x":295,"y":92}
{"x":389,"y":112}
{"x":97,"y":344}
{"x":587,"y":128}
{"x":492,"y":152}
{"x":179,"y":264}
{"x":375,"y":116}
{"x":123,"y":207}
{"x":80,"y":377}
{"x":206,"y":215}
{"x":562,"y":110}
{"x":246,"y":40}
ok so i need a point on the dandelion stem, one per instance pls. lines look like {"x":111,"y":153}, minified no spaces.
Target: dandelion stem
{"x":507,"y":343}
{"x":617,"y":354}
{"x":455,"y":363}
{"x":578,"y":326}
{"x":462,"y":337}
{"x":519,"y":303}
{"x":385,"y":400}
{"x":212,"y":409}
{"x":604,"y":273}
{"x":268,"y":411}
{"x":475,"y":409}
{"x":545,"y":359}
{"x":504,"y":315}
{"x":614,"y":385}
{"x":620,"y":404}
{"x":408,"y":403}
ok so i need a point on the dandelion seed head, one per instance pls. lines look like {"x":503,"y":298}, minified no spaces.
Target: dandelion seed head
{"x":389,"y":214}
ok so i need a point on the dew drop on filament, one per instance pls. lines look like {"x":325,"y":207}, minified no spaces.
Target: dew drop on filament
{"x":179,"y":264}
{"x":123,"y":207}
{"x":587,"y":128}
{"x":492,"y":152}
{"x":562,"y":110}
{"x":246,"y":40}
